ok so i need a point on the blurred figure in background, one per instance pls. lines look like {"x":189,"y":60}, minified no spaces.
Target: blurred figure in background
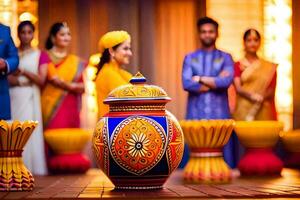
{"x":9,"y":61}
{"x":255,"y":83}
{"x":25,"y":96}
{"x":61,"y":96}
{"x":115,"y":49}
{"x":206,"y":75}
{"x":61,"y":102}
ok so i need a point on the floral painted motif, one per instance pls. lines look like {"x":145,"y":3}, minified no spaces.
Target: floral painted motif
{"x":138,"y":144}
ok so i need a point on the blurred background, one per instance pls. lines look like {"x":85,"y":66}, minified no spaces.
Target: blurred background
{"x":163,"y":31}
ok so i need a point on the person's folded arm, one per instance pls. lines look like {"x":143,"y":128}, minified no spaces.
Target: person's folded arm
{"x":225,"y":77}
{"x":13,"y":80}
{"x":188,"y":83}
{"x":69,"y":86}
{"x":239,"y":89}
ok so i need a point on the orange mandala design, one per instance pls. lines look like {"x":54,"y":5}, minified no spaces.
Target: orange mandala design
{"x":138,"y":144}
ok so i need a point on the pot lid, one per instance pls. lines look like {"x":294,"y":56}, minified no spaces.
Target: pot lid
{"x":137,"y":90}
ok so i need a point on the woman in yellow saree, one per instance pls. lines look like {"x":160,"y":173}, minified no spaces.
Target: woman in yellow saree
{"x":115,"y":52}
{"x":62,"y":93}
{"x":255,"y":83}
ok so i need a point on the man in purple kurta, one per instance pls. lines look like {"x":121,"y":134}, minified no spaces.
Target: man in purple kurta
{"x":206,"y":75}
{"x":207,"y":101}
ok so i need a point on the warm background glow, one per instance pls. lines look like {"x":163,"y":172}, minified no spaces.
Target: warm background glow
{"x":272,"y":18}
{"x":160,"y":21}
{"x":278,"y":48}
{"x":89,"y":100}
{"x":234,"y":18}
{"x":8,"y":14}
{"x":12,"y":12}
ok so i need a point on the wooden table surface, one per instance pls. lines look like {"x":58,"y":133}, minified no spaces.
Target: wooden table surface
{"x":95,"y":185}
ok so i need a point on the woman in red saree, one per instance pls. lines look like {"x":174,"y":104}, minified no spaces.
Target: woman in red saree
{"x":61,"y":96}
{"x":255,"y":83}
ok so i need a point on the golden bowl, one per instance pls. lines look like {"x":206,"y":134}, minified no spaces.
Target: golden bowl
{"x":14,"y":176}
{"x":14,"y":135}
{"x":206,"y":138}
{"x":291,"y":140}
{"x":67,"y":140}
{"x":258,"y":134}
{"x":207,"y":133}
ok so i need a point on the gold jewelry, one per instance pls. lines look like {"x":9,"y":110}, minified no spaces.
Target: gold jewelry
{"x":57,"y":57}
{"x":58,"y":54}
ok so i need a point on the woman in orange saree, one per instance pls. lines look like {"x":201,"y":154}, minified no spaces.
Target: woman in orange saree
{"x":255,"y":83}
{"x":61,"y":96}
{"x":61,"y":101}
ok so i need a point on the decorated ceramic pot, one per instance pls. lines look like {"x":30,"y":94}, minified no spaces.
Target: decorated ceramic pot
{"x":138,"y":143}
{"x":259,"y":138}
{"x":14,"y":176}
{"x":206,"y":139}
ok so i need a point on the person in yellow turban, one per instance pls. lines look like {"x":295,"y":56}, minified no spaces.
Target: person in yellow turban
{"x":115,"y":50}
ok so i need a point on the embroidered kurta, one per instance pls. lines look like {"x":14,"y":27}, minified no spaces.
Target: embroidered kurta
{"x":214,"y":103}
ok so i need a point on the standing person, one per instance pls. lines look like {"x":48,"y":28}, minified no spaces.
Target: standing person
{"x":206,"y":75}
{"x":61,"y":95}
{"x":9,"y":61}
{"x":25,"y":96}
{"x":255,"y":83}
{"x":115,"y":52}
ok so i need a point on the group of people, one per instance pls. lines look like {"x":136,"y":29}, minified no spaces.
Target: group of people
{"x":47,"y":85}
{"x":208,"y":72}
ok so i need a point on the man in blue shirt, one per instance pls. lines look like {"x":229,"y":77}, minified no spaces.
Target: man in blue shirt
{"x":9,"y":61}
{"x":206,"y":75}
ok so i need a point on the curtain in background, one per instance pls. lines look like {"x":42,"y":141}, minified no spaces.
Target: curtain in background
{"x":87,"y":19}
{"x":162,"y":31}
{"x":175,"y":36}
